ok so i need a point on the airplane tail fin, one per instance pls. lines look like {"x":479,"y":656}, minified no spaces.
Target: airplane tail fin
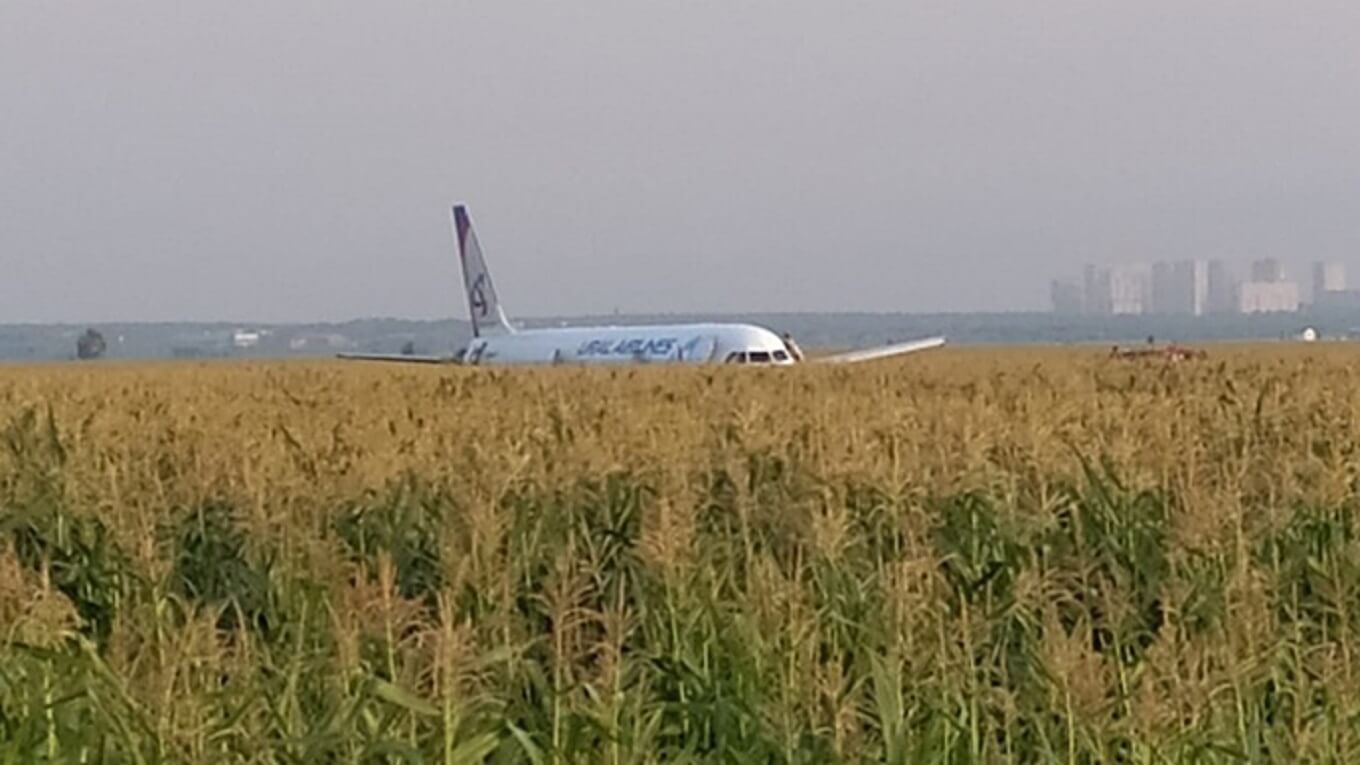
{"x":483,"y":304}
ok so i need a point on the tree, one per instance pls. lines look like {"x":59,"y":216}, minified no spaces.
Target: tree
{"x":91,"y":345}
{"x":409,"y":349}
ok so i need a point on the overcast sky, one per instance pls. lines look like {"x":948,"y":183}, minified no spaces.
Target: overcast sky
{"x":266,"y":160}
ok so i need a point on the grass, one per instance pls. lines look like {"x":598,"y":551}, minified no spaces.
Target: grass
{"x":972,"y":556}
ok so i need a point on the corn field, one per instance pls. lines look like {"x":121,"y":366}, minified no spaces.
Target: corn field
{"x":975,"y":556}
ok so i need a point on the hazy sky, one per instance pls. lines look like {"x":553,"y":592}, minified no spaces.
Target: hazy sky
{"x":257,"y":159}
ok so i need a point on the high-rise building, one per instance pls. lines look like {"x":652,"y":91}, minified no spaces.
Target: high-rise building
{"x":1180,"y":288}
{"x":1166,"y":297}
{"x":1067,"y":297}
{"x":1195,"y":274}
{"x":1266,"y":270}
{"x":1117,"y":290}
{"x":1130,"y":290}
{"x":1268,"y":297}
{"x":1095,"y":285}
{"x":1267,"y":292}
{"x":1327,"y":277}
{"x":1222,"y":289}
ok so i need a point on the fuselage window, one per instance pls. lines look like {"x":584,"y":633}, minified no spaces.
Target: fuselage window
{"x":781,"y":356}
{"x":760,"y":357}
{"x":736,"y":357}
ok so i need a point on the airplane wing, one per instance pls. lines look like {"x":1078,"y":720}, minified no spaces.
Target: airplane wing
{"x":399,"y":357}
{"x":883,"y":351}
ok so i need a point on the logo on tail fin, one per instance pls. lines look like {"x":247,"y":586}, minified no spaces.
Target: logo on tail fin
{"x":477,"y":297}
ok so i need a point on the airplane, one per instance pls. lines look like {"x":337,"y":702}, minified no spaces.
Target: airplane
{"x":496,"y":341}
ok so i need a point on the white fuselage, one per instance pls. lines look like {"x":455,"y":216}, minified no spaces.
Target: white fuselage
{"x":496,"y":341}
{"x":658,"y":343}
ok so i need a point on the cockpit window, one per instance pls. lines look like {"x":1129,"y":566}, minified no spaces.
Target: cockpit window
{"x":736,"y":357}
{"x":781,"y":356}
{"x":760,"y":357}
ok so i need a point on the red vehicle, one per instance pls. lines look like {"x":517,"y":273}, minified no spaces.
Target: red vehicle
{"x":1152,"y":352}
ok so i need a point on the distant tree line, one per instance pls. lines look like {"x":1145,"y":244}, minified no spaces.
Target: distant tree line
{"x":91,"y":345}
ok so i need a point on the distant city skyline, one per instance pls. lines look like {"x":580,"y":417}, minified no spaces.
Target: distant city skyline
{"x":1199,"y":287}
